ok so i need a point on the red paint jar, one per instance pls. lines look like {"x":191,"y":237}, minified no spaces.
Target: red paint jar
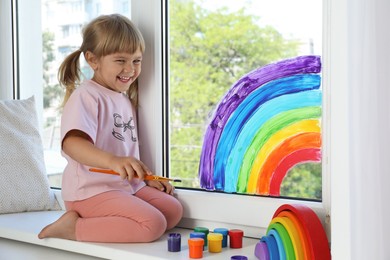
{"x":235,"y":237}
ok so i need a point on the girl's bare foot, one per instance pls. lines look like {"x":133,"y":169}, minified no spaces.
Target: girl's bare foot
{"x":64,"y":227}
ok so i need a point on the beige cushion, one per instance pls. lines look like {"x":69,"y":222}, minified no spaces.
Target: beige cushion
{"x":23,"y":181}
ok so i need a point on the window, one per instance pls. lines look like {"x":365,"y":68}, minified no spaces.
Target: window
{"x":260,"y":208}
{"x":223,"y":146}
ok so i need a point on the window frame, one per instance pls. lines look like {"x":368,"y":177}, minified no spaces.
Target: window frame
{"x":7,"y":50}
{"x":202,"y":207}
{"x":22,"y":33}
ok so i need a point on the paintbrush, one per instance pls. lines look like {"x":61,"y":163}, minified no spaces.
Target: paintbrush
{"x":146,"y":177}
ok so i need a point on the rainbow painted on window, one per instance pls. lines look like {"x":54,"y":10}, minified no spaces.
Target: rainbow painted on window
{"x":268,"y":122}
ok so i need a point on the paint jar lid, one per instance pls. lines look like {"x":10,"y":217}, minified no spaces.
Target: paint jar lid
{"x":240,"y":257}
{"x":201,"y":229}
{"x":197,"y":234}
{"x":196,"y":241}
{"x":223,"y":231}
{"x":214,"y":237}
{"x":174,"y":236}
{"x":236,"y":233}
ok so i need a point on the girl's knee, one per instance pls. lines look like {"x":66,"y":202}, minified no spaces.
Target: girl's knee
{"x":157,"y":228}
{"x":175,"y":214}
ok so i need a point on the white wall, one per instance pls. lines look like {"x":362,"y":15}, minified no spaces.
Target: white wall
{"x":360,"y":119}
{"x":369,"y":109}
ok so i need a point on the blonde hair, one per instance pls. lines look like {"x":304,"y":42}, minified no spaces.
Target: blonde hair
{"x":106,"y":34}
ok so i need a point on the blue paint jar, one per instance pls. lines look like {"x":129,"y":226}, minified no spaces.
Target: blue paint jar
{"x":224,"y":232}
{"x":198,"y":235}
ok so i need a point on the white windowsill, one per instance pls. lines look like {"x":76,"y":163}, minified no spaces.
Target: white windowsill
{"x":24,"y":227}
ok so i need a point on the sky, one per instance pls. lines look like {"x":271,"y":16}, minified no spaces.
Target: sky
{"x":299,"y":18}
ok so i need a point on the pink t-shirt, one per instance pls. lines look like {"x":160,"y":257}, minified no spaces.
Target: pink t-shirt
{"x":108,"y":118}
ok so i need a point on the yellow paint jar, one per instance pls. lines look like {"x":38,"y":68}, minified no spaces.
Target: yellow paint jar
{"x":215,"y":242}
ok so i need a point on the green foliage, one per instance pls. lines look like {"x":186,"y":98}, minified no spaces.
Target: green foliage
{"x":210,"y":51}
{"x":303,"y":181}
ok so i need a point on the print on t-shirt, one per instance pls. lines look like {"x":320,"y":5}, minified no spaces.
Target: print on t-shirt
{"x":122,"y":126}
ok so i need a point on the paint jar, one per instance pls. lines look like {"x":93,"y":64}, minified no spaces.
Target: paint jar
{"x":239,"y":257}
{"x":224,"y":232}
{"x":215,"y":242}
{"x":235,"y":237}
{"x":174,"y":242}
{"x":195,"y":246}
{"x":198,"y":235}
{"x":203,"y":230}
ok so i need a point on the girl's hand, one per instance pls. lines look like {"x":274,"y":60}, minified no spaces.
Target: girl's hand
{"x":130,"y":167}
{"x":164,"y":186}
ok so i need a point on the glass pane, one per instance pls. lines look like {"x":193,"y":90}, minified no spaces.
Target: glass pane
{"x":213,"y":45}
{"x":62,"y":22}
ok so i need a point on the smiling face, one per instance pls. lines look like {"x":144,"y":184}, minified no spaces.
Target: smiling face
{"x":115,"y":71}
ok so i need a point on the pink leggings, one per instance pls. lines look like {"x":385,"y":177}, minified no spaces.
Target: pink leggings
{"x":117,"y":216}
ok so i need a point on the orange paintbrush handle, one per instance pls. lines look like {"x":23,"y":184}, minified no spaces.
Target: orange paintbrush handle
{"x":106,"y":171}
{"x":146,"y":177}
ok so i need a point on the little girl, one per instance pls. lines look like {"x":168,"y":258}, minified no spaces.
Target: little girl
{"x":98,"y":129}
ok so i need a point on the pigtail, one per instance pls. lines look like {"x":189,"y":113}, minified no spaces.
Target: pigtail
{"x":132,"y":93}
{"x":69,"y":74}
